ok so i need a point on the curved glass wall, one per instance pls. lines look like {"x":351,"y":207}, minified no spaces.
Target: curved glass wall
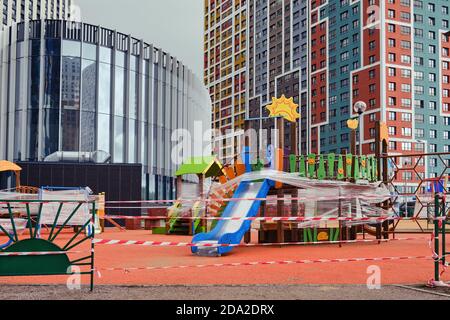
{"x":77,"y":89}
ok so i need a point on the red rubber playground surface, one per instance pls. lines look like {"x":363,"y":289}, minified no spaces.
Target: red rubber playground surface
{"x":417,"y":271}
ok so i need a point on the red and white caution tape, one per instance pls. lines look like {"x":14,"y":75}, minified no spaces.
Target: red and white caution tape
{"x":307,"y":198}
{"x":369,"y":220}
{"x":21,"y":254}
{"x":38,"y":202}
{"x":210,"y":245}
{"x":286,"y":262}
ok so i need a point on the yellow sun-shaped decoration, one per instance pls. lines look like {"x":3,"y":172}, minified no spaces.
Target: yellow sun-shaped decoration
{"x":284,"y":107}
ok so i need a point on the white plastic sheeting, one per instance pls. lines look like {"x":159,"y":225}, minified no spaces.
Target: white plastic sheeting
{"x":50,"y":210}
{"x":314,"y":198}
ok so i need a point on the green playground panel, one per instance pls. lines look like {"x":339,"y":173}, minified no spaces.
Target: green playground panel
{"x":302,"y":169}
{"x":341,"y":169}
{"x":332,"y":166}
{"x":34,"y":265}
{"x":311,"y":166}
{"x":159,"y":230}
{"x":311,"y":235}
{"x":321,"y":174}
{"x":357,"y":172}
{"x":364,"y":167}
{"x":47,"y":264}
{"x":292,"y":163}
{"x":258,"y":166}
{"x":349,"y":165}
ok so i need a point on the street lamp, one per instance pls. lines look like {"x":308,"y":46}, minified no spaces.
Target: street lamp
{"x":360,"y":107}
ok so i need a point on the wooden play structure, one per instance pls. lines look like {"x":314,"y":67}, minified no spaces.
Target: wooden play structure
{"x":346,"y":167}
{"x":6,"y":166}
{"x":331,"y":167}
{"x":204,"y":168}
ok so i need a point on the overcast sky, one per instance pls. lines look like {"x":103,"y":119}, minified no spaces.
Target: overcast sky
{"x":174,"y":25}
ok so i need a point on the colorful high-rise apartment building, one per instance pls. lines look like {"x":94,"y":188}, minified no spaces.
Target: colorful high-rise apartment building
{"x":328,"y":55}
{"x":278,"y":64}
{"x":23,"y":10}
{"x":225,"y":71}
{"x":392,"y":55}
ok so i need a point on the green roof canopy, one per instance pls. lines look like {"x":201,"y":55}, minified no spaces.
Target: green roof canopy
{"x":207,"y":166}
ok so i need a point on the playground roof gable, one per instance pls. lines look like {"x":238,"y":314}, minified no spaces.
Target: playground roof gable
{"x":207,"y":166}
{"x":9,"y":166}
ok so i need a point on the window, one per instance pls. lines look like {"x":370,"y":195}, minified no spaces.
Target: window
{"x":406,"y":73}
{"x":407,"y":132}
{"x":406,"y":59}
{"x":406,"y":146}
{"x":407,"y":117}
{"x":432,"y":77}
{"x":432,"y":120}
{"x":406,"y":102}
{"x":418,"y":75}
{"x":392,"y":145}
{"x":392,"y":131}
{"x":419,"y":104}
{"x":433,"y":134}
{"x":391,"y":72}
{"x":405,"y":44}
{"x":420,"y":133}
{"x":405,"y":30}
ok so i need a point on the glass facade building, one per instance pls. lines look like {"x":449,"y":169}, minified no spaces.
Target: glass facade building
{"x":23,"y":10}
{"x":76,"y":92}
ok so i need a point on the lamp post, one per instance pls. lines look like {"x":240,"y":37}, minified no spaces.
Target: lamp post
{"x":360,"y":107}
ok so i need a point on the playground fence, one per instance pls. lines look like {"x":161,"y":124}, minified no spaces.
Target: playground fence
{"x":34,"y":246}
{"x":439,"y":239}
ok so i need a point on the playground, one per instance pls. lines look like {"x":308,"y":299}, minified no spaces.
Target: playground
{"x":316,"y":249}
{"x":283,"y":219}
